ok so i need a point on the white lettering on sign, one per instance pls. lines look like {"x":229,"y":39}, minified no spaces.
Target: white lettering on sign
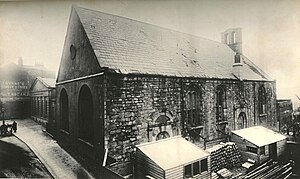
{"x":13,"y":88}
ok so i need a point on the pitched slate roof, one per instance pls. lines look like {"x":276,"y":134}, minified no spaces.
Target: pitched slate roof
{"x":254,"y":135}
{"x":172,"y":152}
{"x":48,"y":82}
{"x":131,"y":47}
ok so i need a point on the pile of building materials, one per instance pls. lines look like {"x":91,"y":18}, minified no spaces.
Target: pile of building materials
{"x":224,"y":155}
{"x":271,"y":169}
{"x":224,"y":173}
{"x":248,"y":164}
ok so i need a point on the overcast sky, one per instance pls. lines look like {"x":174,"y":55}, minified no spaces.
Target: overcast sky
{"x":36,"y":30}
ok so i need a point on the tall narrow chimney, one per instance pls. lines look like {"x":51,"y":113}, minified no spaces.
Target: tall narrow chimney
{"x":233,"y":38}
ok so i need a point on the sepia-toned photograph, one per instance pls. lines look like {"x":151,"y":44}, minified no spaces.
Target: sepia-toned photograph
{"x":140,"y":89}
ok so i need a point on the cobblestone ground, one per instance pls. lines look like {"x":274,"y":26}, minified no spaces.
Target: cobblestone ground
{"x":18,"y":161}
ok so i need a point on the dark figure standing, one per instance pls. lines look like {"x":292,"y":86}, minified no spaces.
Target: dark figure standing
{"x":14,"y":126}
{"x":3,"y":128}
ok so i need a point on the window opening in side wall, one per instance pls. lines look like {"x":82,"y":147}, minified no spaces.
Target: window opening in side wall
{"x":252,"y":149}
{"x":64,"y":110}
{"x":262,"y":150}
{"x":262,"y":100}
{"x":233,"y":37}
{"x":204,"y":165}
{"x":220,"y":104}
{"x":194,"y":112}
{"x":195,"y":168}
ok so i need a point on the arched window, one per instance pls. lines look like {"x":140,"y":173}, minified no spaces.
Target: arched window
{"x":64,"y":110}
{"x":227,"y":39}
{"x":233,"y":37}
{"x":194,"y":107}
{"x":262,"y":100}
{"x":221,"y":104}
{"x":162,"y":119}
{"x":242,"y":121}
{"x":86,"y":120}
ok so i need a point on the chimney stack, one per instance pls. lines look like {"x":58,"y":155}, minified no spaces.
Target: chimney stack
{"x":233,"y":38}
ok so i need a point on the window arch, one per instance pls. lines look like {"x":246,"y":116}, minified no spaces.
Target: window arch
{"x":220,"y":104}
{"x":262,"y":100}
{"x":242,"y":121}
{"x":162,"y":119}
{"x":64,"y":110}
{"x":233,"y":37}
{"x":194,"y":109}
{"x":227,"y":39}
{"x":86,"y":120}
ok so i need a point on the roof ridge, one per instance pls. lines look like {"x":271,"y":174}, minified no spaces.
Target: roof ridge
{"x":148,"y":45}
{"x":260,"y":70}
{"x":147,"y":23}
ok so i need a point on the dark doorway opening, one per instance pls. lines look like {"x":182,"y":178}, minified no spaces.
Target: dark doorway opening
{"x":64,"y":110}
{"x":273,"y":151}
{"x":242,"y":121}
{"x":86,"y":120}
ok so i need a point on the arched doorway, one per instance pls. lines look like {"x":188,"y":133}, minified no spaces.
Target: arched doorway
{"x":242,"y":121}
{"x":86,"y":120}
{"x":64,"y":110}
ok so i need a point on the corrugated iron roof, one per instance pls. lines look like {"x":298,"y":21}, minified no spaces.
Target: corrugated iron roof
{"x":259,"y":135}
{"x":172,"y":152}
{"x":132,"y":47}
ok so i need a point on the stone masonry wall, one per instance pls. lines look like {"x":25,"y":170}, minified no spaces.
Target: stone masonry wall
{"x":132,"y":102}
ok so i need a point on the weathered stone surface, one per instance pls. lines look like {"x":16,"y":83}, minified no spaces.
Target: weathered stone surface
{"x":155,"y":96}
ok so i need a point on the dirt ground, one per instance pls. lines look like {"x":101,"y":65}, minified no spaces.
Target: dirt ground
{"x":18,"y":161}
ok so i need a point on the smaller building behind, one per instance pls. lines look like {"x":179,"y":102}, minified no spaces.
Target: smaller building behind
{"x":15,"y":82}
{"x":284,"y":114}
{"x":259,"y":143}
{"x":42,"y":97}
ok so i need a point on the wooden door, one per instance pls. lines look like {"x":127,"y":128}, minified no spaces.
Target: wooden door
{"x":273,"y":151}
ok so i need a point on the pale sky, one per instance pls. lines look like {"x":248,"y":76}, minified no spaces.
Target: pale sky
{"x":36,"y":30}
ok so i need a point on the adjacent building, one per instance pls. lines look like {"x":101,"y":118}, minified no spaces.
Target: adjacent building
{"x":42,"y":98}
{"x":123,"y":83}
{"x":15,"y":81}
{"x":284,"y":114}
{"x":259,"y":143}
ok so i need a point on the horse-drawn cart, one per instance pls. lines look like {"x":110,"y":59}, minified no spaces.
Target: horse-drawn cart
{"x":8,"y":129}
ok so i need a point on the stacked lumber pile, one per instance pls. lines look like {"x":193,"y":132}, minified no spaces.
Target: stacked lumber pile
{"x":271,"y":169}
{"x":225,"y":155}
{"x":214,"y":175}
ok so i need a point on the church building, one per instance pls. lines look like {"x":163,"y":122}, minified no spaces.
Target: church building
{"x":123,"y":83}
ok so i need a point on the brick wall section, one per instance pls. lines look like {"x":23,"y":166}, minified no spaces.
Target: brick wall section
{"x":133,"y":101}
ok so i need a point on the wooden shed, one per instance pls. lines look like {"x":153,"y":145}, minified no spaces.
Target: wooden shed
{"x":259,"y":143}
{"x":173,"y":158}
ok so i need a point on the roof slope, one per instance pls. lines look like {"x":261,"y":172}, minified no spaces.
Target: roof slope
{"x":132,"y":47}
{"x":172,"y":152}
{"x":47,"y":82}
{"x":259,"y":135}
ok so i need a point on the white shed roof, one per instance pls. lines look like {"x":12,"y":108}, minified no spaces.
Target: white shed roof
{"x":259,"y":135}
{"x":172,"y":152}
